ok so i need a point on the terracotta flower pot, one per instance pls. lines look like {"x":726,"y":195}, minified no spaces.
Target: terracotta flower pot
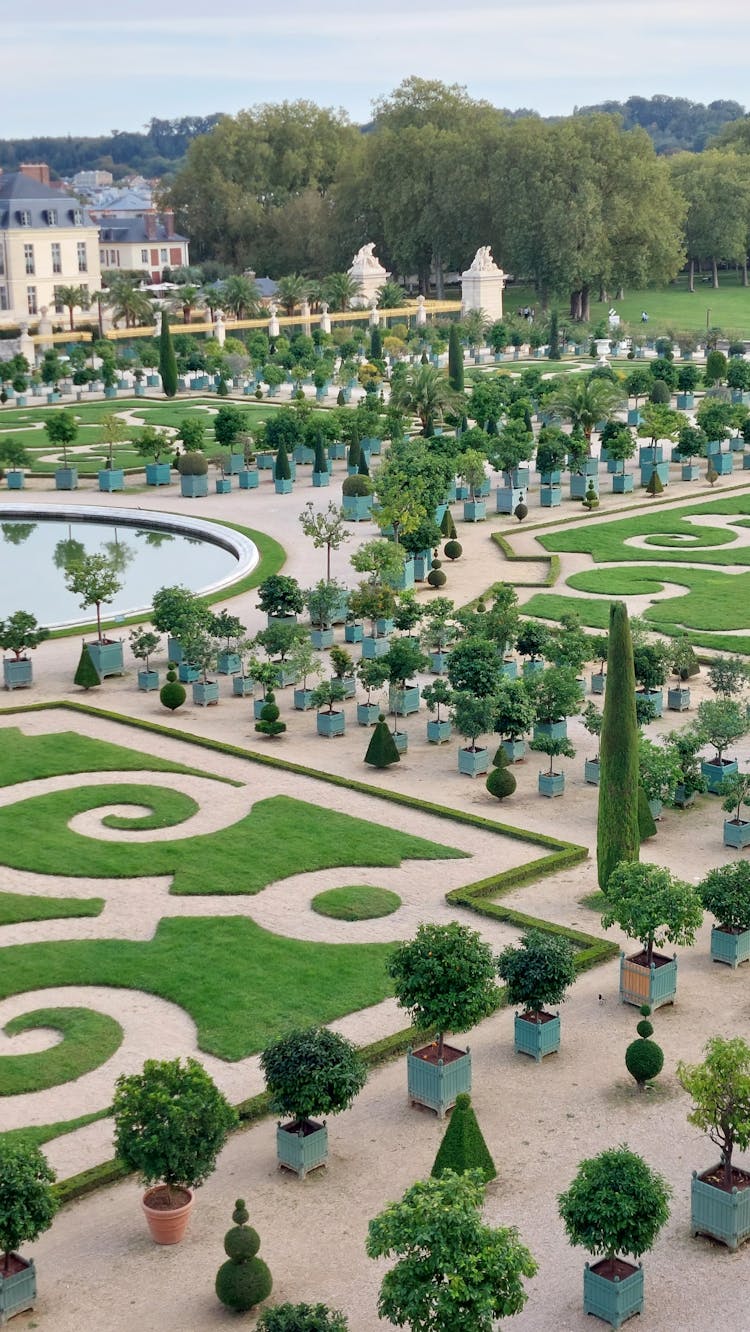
{"x":167,"y":1224}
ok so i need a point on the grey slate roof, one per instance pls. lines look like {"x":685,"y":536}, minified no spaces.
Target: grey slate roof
{"x":20,"y":193}
{"x":124,"y":230}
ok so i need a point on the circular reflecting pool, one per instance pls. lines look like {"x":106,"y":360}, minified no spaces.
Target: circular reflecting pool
{"x":149,"y":550}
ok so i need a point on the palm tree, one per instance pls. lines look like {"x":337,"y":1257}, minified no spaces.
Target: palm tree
{"x":184,"y":301}
{"x":585,"y":401}
{"x":391,"y":296}
{"x":73,"y":298}
{"x":339,"y":290}
{"x":291,"y":291}
{"x":423,"y":392}
{"x":128,"y":302}
{"x":240,"y":297}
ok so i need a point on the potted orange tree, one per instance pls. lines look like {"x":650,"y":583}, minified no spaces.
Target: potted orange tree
{"x":310,"y":1073}
{"x":537,"y":973}
{"x":27,"y":1206}
{"x":95,"y":580}
{"x":720,"y":1089}
{"x":19,"y":634}
{"x":725,"y":892}
{"x":655,"y":908}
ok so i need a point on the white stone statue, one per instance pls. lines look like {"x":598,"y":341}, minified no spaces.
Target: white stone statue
{"x":483,"y":261}
{"x":369,"y":274}
{"x":325,"y":318}
{"x":273,"y":322}
{"x":482,"y":285}
{"x":365,"y":257}
{"x":421,"y":315}
{"x":220,"y":332}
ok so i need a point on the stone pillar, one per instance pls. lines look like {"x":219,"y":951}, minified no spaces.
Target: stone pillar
{"x":304,"y":310}
{"x":369,"y":274}
{"x":374,"y":315}
{"x":273,"y":322}
{"x":220,"y":332}
{"x":26,"y":346}
{"x":482,"y":285}
{"x":325,"y":319}
{"x":420,"y":318}
{"x":44,"y":329}
{"x":157,"y":324}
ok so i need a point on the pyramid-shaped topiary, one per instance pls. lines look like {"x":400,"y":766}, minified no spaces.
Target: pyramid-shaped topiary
{"x":244,"y":1280}
{"x":86,"y":674}
{"x":447,"y":526}
{"x":463,"y":1146}
{"x":382,"y":751}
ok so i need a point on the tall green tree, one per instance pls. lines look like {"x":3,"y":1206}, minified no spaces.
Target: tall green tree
{"x":618,"y":836}
{"x":167,"y":358}
{"x":455,"y":360}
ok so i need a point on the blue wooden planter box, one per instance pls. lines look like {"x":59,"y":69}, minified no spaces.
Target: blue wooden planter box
{"x":422,"y":564}
{"x":174,"y":651}
{"x":685,"y":402}
{"x":337,"y":451}
{"x":229,"y":663}
{"x":303,"y":700}
{"x":438,"y":1085}
{"x":438,"y":732}
{"x":405,"y":579}
{"x":551,"y":784}
{"x":507,"y":499}
{"x":598,"y":682}
{"x":285,"y":675}
{"x":509,"y":669}
{"x":438,"y":662}
{"x":462,"y":491}
{"x":266,"y":461}
{"x":655,"y":696}
{"x":17,"y":1291}
{"x":579,"y":485}
{"x":148,"y":680}
{"x":303,"y":454}
{"x":634,"y":416}
{"x":374,"y":647}
{"x":403,"y":702}
{"x":107,"y":658}
{"x":258,"y":706}
{"x":357,"y":508}
{"x":66,"y":478}
{"x":728,"y":947}
{"x":690,"y":471}
{"x":746,"y":462}
{"x":722,"y":463}
{"x":384,"y":627}
{"x":556,"y":730}
{"x":533,"y":666}
{"x":299,"y":1151}
{"x":354,"y":633}
{"x":236,"y":463}
{"x":17,"y":674}
{"x":550,"y":496}
{"x":188,"y":674}
{"x":349,"y":682}
{"x":648,"y":469}
{"x":537,"y":1038}
{"x":613,"y":1301}
{"x":112,"y":478}
{"x":400,"y":740}
{"x":249,"y":478}
{"x":651,"y":453}
{"x":331,"y":723}
{"x":283,"y":487}
{"x":552,"y":478}
{"x":321,"y":639}
{"x":737,"y":834}
{"x":643,"y":985}
{"x":223,"y":485}
{"x":205,"y":693}
{"x":193,"y":487}
{"x":242,"y":686}
{"x":622,"y":483}
{"x":15,"y":479}
{"x":514,"y":750}
{"x":473,"y":762}
{"x":591,"y":771}
{"x":520,"y":477}
{"x":724,"y":1216}
{"x":158,"y":474}
{"x":715,"y":773}
{"x":321,"y":479}
{"x":475,"y":511}
{"x":368,"y":713}
{"x":272,"y":620}
{"x":678,"y":700}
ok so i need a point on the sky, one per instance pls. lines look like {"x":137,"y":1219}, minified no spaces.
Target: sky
{"x":68,"y":69}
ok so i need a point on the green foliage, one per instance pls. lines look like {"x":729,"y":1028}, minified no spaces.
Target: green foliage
{"x":720,"y":722}
{"x":728,"y":676}
{"x":453,"y":550}
{"x":381,"y":751}
{"x":660,"y":392}
{"x":473,"y":666}
{"x":720,"y":1089}
{"x":454,"y":1271}
{"x":302,"y":1318}
{"x":658,"y":769}
{"x":533,"y":640}
{"x":94,"y":579}
{"x":650,"y":905}
{"x":463,"y":1146}
{"x":269,"y":723}
{"x":167,"y":358}
{"x":455,"y":360}
{"x":445,"y":978}
{"x":725,"y":892}
{"x":192,"y":464}
{"x":616,"y":1204}
{"x":27,"y":1202}
{"x":356,"y":902}
{"x":244,"y":1280}
{"x":87,"y":1040}
{"x":646,"y":822}
{"x":21,"y":633}
{"x":617,"y":827}
{"x":716,"y":367}
{"x":473,"y":714}
{"x":500,"y":783}
{"x":312,"y":1072}
{"x":735,"y":790}
{"x":644,"y":1059}
{"x":556,"y":694}
{"x":172,"y":695}
{"x":282,"y":471}
{"x":537,"y":972}
{"x":654,"y":485}
{"x":171,"y":1122}
{"x":86,"y":674}
{"x":515,"y":709}
{"x":280,"y":595}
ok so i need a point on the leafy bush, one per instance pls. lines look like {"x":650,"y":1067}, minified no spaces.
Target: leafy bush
{"x":500,"y":783}
{"x":302,"y":1318}
{"x":192,"y":464}
{"x":616,"y":1204}
{"x":311,"y":1072}
{"x":725,"y":892}
{"x":538,"y":971}
{"x":27,"y":1202}
{"x":660,"y":392}
{"x":445,"y":978}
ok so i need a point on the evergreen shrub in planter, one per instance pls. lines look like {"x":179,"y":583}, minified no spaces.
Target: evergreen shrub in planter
{"x":310,"y":1073}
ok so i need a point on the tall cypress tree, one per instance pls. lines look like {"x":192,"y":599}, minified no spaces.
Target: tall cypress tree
{"x":618,"y":835}
{"x":376,"y":344}
{"x":167,"y":358}
{"x":554,"y":338}
{"x":455,"y":360}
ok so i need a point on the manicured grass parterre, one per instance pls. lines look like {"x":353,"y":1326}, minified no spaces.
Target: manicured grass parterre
{"x":89,"y":1039}
{"x":15,"y":908}
{"x":171,"y":808}
{"x":38,"y":1134}
{"x":361,"y":901}
{"x":26,"y":758}
{"x":672,"y":306}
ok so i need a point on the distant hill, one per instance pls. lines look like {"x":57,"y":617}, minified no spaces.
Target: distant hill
{"x":157,"y":150}
{"x":674,"y":123}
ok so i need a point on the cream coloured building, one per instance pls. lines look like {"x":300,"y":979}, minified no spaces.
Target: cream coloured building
{"x":47,"y":241}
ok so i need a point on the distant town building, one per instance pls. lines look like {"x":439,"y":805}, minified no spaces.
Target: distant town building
{"x":47,"y":241}
{"x":145,"y":242}
{"x":91,"y":180}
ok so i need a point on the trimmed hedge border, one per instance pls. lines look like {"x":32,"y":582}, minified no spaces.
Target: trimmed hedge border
{"x":553,"y":560}
{"x":591,"y":951}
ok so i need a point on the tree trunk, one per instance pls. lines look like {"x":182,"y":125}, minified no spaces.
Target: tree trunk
{"x":603,"y":296}
{"x":744,"y":272}
{"x":715,"y":277}
{"x":439,"y":276}
{"x":620,"y":293}
{"x":585,"y":304}
{"x":575,"y":305}
{"x":691,"y":276}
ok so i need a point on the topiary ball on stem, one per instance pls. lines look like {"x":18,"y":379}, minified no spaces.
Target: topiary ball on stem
{"x":244,"y":1280}
{"x":520,"y":512}
{"x":644,"y":1059}
{"x":453,"y":550}
{"x":436,"y":577}
{"x":500,"y":783}
{"x":172,"y":694}
{"x":269,"y":723}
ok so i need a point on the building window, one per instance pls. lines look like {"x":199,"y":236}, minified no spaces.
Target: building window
{"x":102,"y":258}
{"x":162,"y":256}
{"x":59,"y":307}
{"x":28,"y":258}
{"x":51,"y":217}
{"x":31,"y":300}
{"x":144,"y":256}
{"x":4,"y":298}
{"x":82,"y":260}
{"x":85,"y":288}
{"x":24,"y":218}
{"x":56,"y":258}
{"x":2,"y":260}
{"x":77,"y":217}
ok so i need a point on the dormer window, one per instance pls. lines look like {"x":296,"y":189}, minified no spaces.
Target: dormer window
{"x":77,"y":217}
{"x":24,"y":218}
{"x":51,"y":217}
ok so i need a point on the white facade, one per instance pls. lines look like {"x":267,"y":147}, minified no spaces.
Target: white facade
{"x":46,"y":242}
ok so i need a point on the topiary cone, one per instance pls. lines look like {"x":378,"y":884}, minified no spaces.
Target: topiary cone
{"x":382,"y":751}
{"x":86,"y":674}
{"x":463,"y":1146}
{"x":244,"y":1280}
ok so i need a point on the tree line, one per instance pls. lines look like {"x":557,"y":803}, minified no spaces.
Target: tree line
{"x":152,"y":152}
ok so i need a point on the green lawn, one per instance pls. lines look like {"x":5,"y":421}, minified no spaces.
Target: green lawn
{"x":25,"y":758}
{"x":89,"y":1039}
{"x":41,"y":1133}
{"x":670,"y":307}
{"x":16,"y":908}
{"x":360,"y":901}
{"x":607,"y":542}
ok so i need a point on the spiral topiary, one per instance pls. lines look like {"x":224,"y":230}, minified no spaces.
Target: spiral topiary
{"x":500,"y":783}
{"x":244,"y":1280}
{"x":172,"y":694}
{"x":269,"y":723}
{"x":453,"y":550}
{"x":644,"y":1059}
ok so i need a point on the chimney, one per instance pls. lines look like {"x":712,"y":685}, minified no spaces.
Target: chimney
{"x":150,"y":220}
{"x":168,"y":220}
{"x":36,"y":171}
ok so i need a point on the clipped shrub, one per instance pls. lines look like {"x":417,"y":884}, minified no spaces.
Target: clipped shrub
{"x":712,"y":475}
{"x":282,"y":471}
{"x":654,"y":486}
{"x":382,"y":751}
{"x":617,"y":827}
{"x":591,"y":499}
{"x":302,"y":1318}
{"x":453,"y":550}
{"x":193,"y":463}
{"x":644,"y":1059}
{"x":436,"y":577}
{"x":660,"y":392}
{"x":500,"y":783}
{"x":646,"y":824}
{"x":269,"y":723}
{"x":463,"y":1146}
{"x":447,"y":526}
{"x":244,"y":1280}
{"x":86,"y":674}
{"x":259,"y":394}
{"x":172,"y":694}
{"x":357,"y":485}
{"x":520,"y":512}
